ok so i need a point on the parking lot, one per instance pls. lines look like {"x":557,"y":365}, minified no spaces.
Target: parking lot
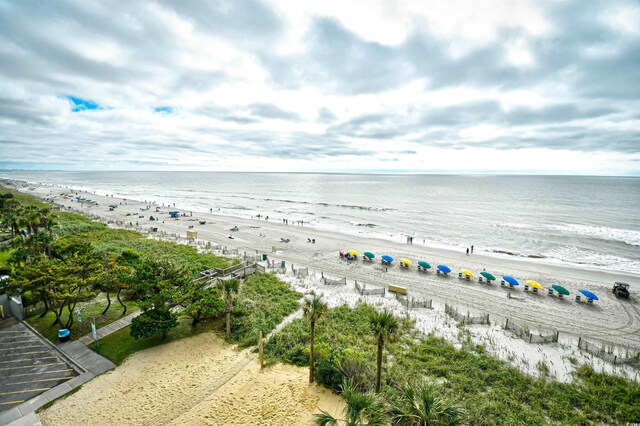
{"x":28,"y":367}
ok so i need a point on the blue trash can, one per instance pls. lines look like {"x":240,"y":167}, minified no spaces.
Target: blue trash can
{"x":63,"y":335}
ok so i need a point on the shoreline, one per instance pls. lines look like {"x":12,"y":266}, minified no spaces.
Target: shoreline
{"x":533,"y":263}
{"x":609,"y":319}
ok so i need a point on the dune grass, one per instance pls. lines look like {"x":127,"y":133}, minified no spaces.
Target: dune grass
{"x":262,"y":303}
{"x":490,"y":391}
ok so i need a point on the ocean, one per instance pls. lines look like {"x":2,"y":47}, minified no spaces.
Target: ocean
{"x":586,"y":221}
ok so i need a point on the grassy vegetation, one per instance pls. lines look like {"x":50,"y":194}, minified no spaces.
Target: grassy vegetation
{"x":23,"y":198}
{"x":104,"y":239}
{"x":489,"y":390}
{"x":4,"y":255}
{"x":91,"y":309}
{"x":119,"y":345}
{"x":262,"y":303}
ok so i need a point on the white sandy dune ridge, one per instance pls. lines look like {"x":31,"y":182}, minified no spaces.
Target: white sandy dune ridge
{"x":194,"y":381}
{"x":555,"y":360}
{"x":608,"y":320}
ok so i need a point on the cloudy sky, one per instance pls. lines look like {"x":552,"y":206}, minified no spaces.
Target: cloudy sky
{"x":416,"y":86}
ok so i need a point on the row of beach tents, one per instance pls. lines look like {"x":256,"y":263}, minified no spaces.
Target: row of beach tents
{"x":484,"y":276}
{"x":78,"y":198}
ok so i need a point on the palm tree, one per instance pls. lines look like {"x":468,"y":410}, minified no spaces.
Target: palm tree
{"x":12,"y":215}
{"x":385,"y":327}
{"x":420,"y":405}
{"x":313,"y":308}
{"x":361,"y":409}
{"x":230,"y":289}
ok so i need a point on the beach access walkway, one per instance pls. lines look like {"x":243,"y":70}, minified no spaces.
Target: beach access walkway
{"x":86,"y":364}
{"x":110,"y":328}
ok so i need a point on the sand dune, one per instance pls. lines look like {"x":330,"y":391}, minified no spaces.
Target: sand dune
{"x":198,"y":380}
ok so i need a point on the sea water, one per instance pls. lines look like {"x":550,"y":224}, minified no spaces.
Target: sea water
{"x":588,"y":221}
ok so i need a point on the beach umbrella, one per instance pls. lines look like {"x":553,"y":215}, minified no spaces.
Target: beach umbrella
{"x":444,"y":268}
{"x":424,"y":264}
{"x":488,"y":276}
{"x":369,"y":255}
{"x":467,"y":272}
{"x":588,"y":294}
{"x":560,"y":289}
{"x":353,"y":252}
{"x":113,"y":206}
{"x":406,"y":261}
{"x":387,"y":258}
{"x":510,"y":280}
{"x":534,"y":284}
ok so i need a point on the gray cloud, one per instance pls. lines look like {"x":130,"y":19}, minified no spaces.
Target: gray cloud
{"x":134,"y":59}
{"x":272,"y":111}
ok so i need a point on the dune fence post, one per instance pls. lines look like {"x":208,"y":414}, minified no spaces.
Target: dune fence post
{"x":261,"y":352}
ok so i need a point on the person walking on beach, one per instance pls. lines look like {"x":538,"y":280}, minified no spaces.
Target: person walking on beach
{"x":472,"y":249}
{"x":467,"y":251}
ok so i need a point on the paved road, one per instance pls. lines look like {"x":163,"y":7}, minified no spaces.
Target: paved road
{"x":28,"y":367}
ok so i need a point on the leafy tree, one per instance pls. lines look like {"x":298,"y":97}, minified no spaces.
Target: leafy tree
{"x":421,"y":405}
{"x":32,"y":247}
{"x":313,"y":308}
{"x":230,"y":290}
{"x":38,"y":278}
{"x":76,"y":282}
{"x":3,"y":199}
{"x":112,"y":279}
{"x":156,"y":284}
{"x":385,"y":327}
{"x":12,"y":215}
{"x":361,"y":409}
{"x":153,"y":322}
{"x":204,"y":304}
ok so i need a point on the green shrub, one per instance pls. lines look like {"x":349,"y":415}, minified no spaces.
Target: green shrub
{"x":262,"y":303}
{"x":490,"y":391}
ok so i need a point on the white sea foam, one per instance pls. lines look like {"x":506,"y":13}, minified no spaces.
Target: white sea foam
{"x":627,"y":236}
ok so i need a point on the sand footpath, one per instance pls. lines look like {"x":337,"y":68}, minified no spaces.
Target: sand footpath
{"x":198,"y":380}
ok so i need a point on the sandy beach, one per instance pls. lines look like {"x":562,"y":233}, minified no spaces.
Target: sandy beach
{"x":194,"y":381}
{"x":200,"y":381}
{"x":609,"y":319}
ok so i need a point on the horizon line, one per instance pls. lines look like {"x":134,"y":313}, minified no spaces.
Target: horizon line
{"x":360,"y":172}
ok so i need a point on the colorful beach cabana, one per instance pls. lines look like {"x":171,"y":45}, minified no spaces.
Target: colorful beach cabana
{"x":589,"y":295}
{"x":533,"y":284}
{"x":423,"y":266}
{"x":509,"y":280}
{"x":561,"y":291}
{"x":405,"y":263}
{"x":386,"y":259}
{"x":443,"y":269}
{"x":489,"y":277}
{"x":465,"y":273}
{"x":367,"y":255}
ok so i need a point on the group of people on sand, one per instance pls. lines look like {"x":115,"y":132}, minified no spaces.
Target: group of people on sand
{"x":471,"y":250}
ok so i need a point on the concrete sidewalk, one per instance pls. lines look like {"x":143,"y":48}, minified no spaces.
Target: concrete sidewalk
{"x":87,"y":362}
{"x":110,"y":328}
